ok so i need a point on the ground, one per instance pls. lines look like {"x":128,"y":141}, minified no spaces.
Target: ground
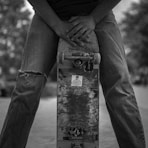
{"x":43,"y":132}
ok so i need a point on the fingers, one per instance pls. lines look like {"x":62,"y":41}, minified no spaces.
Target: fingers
{"x":75,"y":21}
{"x":75,"y":42}
{"x":74,"y":31}
{"x":70,"y":41}
{"x":72,"y":19}
{"x":80,"y":33}
{"x":86,"y":36}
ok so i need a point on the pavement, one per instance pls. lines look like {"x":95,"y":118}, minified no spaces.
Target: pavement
{"x":43,"y":132}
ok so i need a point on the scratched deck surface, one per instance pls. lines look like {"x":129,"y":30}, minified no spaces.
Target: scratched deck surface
{"x":78,"y":105}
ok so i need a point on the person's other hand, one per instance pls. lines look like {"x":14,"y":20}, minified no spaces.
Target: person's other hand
{"x":82,"y":27}
{"x":62,"y":28}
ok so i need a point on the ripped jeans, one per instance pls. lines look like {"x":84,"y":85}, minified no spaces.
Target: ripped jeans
{"x":39,"y":57}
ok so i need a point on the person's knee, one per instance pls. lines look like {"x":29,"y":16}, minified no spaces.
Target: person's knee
{"x":28,"y":88}
{"x":117,"y":85}
{"x":118,"y":89}
{"x":114,"y":75}
{"x":30,"y":80}
{"x":121,"y":74}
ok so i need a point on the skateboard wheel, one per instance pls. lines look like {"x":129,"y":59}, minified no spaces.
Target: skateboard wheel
{"x":97,"y":58}
{"x":78,"y":62}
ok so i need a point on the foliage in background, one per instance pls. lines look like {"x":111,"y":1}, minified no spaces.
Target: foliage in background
{"x":135,"y":28}
{"x":135,"y":34}
{"x":14,"y":21}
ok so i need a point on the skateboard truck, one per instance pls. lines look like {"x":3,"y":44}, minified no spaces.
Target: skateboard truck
{"x":83,"y":61}
{"x":85,"y":65}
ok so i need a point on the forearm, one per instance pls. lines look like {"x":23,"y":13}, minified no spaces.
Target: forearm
{"x":43,"y":9}
{"x":102,"y":9}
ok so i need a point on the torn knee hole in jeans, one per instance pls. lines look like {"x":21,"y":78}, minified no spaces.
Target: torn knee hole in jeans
{"x":26,"y":73}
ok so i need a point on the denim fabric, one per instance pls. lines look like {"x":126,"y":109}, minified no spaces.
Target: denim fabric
{"x":40,"y":55}
{"x":22,"y":109}
{"x":119,"y":95}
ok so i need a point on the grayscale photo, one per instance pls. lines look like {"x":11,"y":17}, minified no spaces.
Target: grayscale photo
{"x":73,"y":73}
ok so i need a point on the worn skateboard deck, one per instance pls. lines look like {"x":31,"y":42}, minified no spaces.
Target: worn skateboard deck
{"x":78,"y":95}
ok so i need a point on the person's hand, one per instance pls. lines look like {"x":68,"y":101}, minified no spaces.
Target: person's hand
{"x":61,"y":30}
{"x":82,"y":27}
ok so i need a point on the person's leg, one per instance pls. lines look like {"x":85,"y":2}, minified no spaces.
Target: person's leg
{"x":38,"y":58}
{"x":119,"y":95}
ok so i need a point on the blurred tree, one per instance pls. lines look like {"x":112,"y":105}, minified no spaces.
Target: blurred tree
{"x":14,"y":21}
{"x":135,"y":28}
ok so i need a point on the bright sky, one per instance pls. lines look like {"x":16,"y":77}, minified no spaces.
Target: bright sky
{"x":118,"y":10}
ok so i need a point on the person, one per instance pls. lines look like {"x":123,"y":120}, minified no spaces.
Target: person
{"x":73,"y":20}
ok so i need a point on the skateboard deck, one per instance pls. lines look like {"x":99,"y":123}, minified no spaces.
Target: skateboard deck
{"x":78,"y":95}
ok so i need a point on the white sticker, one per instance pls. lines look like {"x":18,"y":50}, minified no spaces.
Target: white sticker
{"x":76,"y":80}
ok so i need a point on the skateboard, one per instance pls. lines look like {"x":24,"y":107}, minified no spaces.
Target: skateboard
{"x":78,"y":94}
